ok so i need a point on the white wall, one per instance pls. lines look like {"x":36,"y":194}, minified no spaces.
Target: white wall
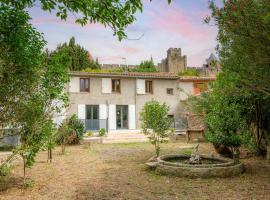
{"x":186,"y":88}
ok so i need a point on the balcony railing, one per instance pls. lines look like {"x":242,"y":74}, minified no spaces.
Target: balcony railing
{"x":180,"y":123}
{"x":95,"y":124}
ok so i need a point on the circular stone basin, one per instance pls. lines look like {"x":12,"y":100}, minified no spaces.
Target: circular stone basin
{"x":177,"y":165}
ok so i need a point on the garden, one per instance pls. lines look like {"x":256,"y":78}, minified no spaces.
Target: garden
{"x":118,"y":171}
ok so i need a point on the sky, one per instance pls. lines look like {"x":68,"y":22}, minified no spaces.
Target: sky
{"x":178,"y":25}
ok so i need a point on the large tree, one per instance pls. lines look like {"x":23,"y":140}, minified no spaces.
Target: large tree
{"x":79,"y":57}
{"x":32,"y":87}
{"x":241,"y":93}
{"x":112,"y":13}
{"x":244,"y":41}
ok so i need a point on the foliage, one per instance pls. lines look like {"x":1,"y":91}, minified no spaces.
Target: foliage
{"x":244,"y":30}
{"x":31,"y":84}
{"x":114,"y":70}
{"x":62,"y":136}
{"x":78,"y":58}
{"x":5,"y":170}
{"x":112,"y":13}
{"x":145,"y":66}
{"x":102,"y":132}
{"x":155,"y":122}
{"x":189,"y":72}
{"x":89,"y":134}
{"x":71,"y":131}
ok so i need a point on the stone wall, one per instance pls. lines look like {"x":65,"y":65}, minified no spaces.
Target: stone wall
{"x":174,"y":62}
{"x":196,"y":122}
{"x":113,"y":66}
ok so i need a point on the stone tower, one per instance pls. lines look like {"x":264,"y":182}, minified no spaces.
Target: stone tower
{"x":174,"y":62}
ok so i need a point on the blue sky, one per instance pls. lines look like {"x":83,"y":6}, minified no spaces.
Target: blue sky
{"x":179,"y":25}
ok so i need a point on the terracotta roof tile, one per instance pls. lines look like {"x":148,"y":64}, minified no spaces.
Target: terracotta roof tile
{"x":159,"y":75}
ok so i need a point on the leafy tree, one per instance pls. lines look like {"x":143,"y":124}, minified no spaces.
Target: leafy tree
{"x":155,"y":122}
{"x":243,"y":36}
{"x":189,"y":72}
{"x":30,"y":85}
{"x":146,"y":66}
{"x":79,"y":57}
{"x":244,"y":29}
{"x":112,"y":13}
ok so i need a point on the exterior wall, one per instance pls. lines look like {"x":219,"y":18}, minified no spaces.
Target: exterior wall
{"x":128,"y":96}
{"x":160,"y":94}
{"x":96,"y":97}
{"x":186,"y":89}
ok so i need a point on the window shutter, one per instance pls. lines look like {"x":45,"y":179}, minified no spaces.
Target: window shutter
{"x":81,"y":111}
{"x":131,"y":117}
{"x":103,"y":111}
{"x":140,"y":86}
{"x":74,"y":84}
{"x":112,"y":117}
{"x":106,"y":85}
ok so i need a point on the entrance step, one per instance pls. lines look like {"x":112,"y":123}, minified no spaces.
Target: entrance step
{"x":122,"y":137}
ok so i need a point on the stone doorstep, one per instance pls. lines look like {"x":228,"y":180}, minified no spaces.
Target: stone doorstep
{"x":186,"y":147}
{"x":124,"y":141}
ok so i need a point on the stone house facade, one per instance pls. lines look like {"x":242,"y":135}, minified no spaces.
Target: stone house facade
{"x":115,"y":100}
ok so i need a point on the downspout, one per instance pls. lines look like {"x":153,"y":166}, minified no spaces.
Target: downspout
{"x":107,"y":117}
{"x":136,"y":108}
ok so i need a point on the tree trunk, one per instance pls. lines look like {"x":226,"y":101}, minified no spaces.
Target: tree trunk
{"x":49,"y":155}
{"x":24,"y":170}
{"x":63,"y":148}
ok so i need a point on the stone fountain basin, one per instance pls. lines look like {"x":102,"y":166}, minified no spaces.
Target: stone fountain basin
{"x":221,"y":167}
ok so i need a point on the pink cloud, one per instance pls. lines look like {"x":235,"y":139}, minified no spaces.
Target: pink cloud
{"x":131,"y":50}
{"x":175,"y":20}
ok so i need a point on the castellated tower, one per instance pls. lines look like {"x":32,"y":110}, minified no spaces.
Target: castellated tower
{"x":174,"y":62}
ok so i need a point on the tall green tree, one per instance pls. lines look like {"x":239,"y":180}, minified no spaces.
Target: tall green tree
{"x":32,"y":88}
{"x":79,"y":57}
{"x":111,"y":13}
{"x":244,"y":41}
{"x":241,"y":93}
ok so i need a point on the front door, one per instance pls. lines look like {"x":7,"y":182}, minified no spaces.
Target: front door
{"x":92,"y":117}
{"x":121,"y":117}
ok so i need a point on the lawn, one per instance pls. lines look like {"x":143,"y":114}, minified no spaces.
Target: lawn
{"x":117,"y":171}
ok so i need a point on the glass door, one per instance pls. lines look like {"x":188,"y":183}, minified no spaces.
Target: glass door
{"x":122,"y":117}
{"x":92,"y":117}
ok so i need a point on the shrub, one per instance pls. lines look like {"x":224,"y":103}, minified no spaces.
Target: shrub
{"x":189,"y":72}
{"x":102,"y":132}
{"x":89,"y":134}
{"x":5,"y":170}
{"x":70,"y":132}
{"x":155,"y":123}
{"x":76,"y":127}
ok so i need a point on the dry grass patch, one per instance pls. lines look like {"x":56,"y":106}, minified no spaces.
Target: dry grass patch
{"x":117,"y":171}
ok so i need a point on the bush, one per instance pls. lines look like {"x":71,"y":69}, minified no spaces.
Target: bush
{"x":71,"y":131}
{"x":89,"y":134}
{"x":5,"y":170}
{"x":102,"y":132}
{"x":189,"y":72}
